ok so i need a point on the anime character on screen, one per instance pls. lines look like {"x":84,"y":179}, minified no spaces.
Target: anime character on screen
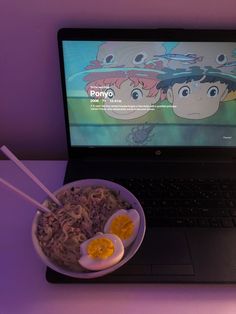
{"x":219,"y":55}
{"x":128,"y":94}
{"x":115,"y":54}
{"x":197,"y":94}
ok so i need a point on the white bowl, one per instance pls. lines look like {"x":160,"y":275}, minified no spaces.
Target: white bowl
{"x":129,"y":252}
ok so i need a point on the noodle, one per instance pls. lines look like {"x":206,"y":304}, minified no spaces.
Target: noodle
{"x":84,"y":212}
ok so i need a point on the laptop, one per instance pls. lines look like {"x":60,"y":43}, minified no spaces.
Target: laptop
{"x":155,"y":110}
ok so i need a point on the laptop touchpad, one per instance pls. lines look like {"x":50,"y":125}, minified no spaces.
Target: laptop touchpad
{"x":166,"y":250}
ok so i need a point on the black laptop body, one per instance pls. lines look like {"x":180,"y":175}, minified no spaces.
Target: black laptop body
{"x":155,"y":110}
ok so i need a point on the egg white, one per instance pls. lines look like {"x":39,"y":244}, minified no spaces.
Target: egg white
{"x":133,"y":215}
{"x":92,"y":263}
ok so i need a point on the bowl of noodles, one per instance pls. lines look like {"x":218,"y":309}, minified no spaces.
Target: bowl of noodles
{"x":86,"y":207}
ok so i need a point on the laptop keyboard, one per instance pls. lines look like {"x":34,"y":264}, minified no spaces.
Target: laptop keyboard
{"x":185,"y":202}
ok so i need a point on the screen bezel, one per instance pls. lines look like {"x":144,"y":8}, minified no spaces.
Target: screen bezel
{"x":165,"y":153}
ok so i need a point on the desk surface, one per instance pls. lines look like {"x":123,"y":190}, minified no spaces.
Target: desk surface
{"x":24,"y":290}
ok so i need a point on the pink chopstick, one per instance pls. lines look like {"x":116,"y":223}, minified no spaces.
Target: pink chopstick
{"x":25,"y":196}
{"x":13,"y":158}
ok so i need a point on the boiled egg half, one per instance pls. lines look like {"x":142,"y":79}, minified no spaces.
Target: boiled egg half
{"x":125,"y":224}
{"x":101,"y":251}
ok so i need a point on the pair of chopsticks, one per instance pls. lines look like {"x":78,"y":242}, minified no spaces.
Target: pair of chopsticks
{"x":12,"y":157}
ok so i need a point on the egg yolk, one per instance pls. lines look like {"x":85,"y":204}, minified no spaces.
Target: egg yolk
{"x":100,"y":248}
{"x":122,"y":226}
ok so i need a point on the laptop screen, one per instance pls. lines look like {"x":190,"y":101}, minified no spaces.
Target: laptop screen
{"x":150,"y":93}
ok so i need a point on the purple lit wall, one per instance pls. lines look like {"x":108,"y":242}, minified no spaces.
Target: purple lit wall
{"x":31,"y":110}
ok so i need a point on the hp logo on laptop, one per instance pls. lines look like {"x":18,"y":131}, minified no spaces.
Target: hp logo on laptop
{"x":157,"y":152}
